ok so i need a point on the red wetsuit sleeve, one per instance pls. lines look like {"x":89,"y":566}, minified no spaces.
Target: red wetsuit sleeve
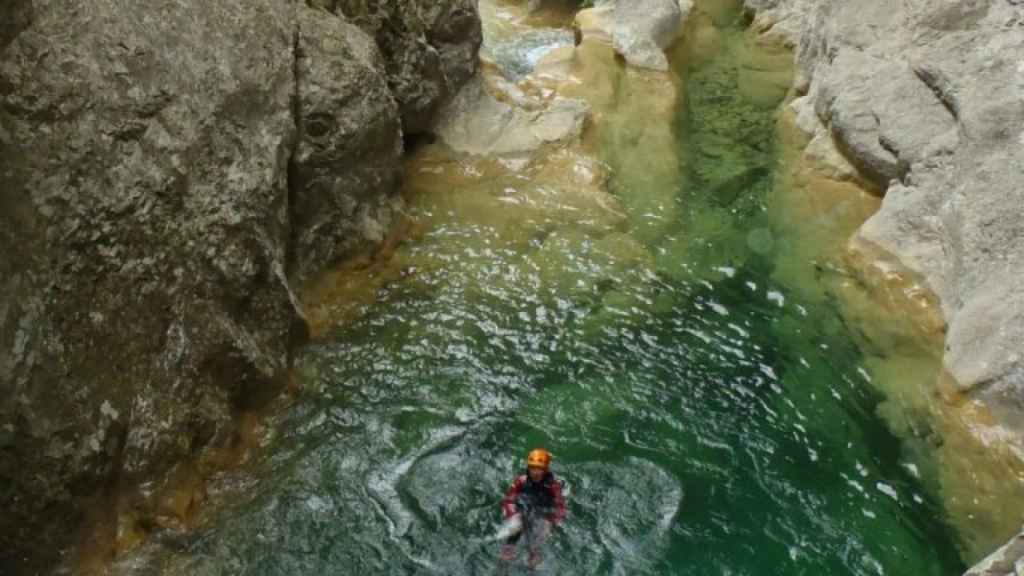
{"x":556,"y":494}
{"x":508,"y":503}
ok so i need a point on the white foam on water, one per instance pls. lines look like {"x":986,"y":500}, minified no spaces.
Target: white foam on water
{"x":718,"y":308}
{"x":875,"y":564}
{"x":912,"y":468}
{"x":855,"y":485}
{"x":728,"y":271}
{"x":699,"y":334}
{"x":862,"y":470}
{"x":739,"y":330}
{"x":887,"y":490}
{"x":777,"y":297}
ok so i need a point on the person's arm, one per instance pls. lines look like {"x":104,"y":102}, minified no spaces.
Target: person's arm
{"x":508,"y":503}
{"x":556,"y":495}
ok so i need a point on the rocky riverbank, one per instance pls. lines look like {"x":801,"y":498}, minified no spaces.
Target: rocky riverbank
{"x":922,"y":103}
{"x":923,"y":100}
{"x":171,"y":175}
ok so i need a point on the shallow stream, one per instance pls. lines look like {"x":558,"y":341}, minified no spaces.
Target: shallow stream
{"x":679,"y":352}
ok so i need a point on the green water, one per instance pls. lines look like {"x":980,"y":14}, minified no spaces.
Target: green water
{"x":707,"y":418}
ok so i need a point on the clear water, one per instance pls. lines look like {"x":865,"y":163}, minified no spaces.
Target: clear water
{"x":708,"y":415}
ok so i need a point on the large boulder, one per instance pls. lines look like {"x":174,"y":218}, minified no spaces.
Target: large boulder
{"x":346,"y":166}
{"x":643,"y":29}
{"x":145,"y":224}
{"x":430,"y":49}
{"x":168,"y":172}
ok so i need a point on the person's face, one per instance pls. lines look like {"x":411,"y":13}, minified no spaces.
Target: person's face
{"x":536,"y":474}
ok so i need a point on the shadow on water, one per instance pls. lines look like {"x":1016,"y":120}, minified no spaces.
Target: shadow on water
{"x":707,"y":416}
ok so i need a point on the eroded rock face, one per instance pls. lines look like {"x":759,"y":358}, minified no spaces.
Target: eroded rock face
{"x":145,"y":195}
{"x":430,"y":49}
{"x":345,"y":168}
{"x":167,"y":173}
{"x":927,"y":102}
{"x":17,"y":17}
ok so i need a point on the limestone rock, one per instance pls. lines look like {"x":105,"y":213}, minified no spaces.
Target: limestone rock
{"x":145,"y":219}
{"x":643,"y":29}
{"x":167,"y":170}
{"x":345,"y":166}
{"x":596,"y":23}
{"x":925,"y":101}
{"x":478,"y":123}
{"x":430,"y":49}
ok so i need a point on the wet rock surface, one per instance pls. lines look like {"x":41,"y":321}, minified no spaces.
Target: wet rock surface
{"x":167,"y":174}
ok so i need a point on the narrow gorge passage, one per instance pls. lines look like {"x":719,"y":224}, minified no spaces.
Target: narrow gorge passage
{"x":704,"y":399}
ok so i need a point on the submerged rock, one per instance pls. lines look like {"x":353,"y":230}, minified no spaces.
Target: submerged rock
{"x":1007,"y":561}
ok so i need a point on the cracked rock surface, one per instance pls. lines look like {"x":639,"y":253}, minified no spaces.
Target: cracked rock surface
{"x":168,"y":172}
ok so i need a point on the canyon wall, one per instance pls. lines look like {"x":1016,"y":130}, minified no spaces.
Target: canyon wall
{"x":170,"y":174}
{"x":925,"y":100}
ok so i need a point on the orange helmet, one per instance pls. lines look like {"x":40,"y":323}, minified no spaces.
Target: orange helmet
{"x":538,"y":458}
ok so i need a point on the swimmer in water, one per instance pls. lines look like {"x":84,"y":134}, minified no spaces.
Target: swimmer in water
{"x":534,"y":502}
